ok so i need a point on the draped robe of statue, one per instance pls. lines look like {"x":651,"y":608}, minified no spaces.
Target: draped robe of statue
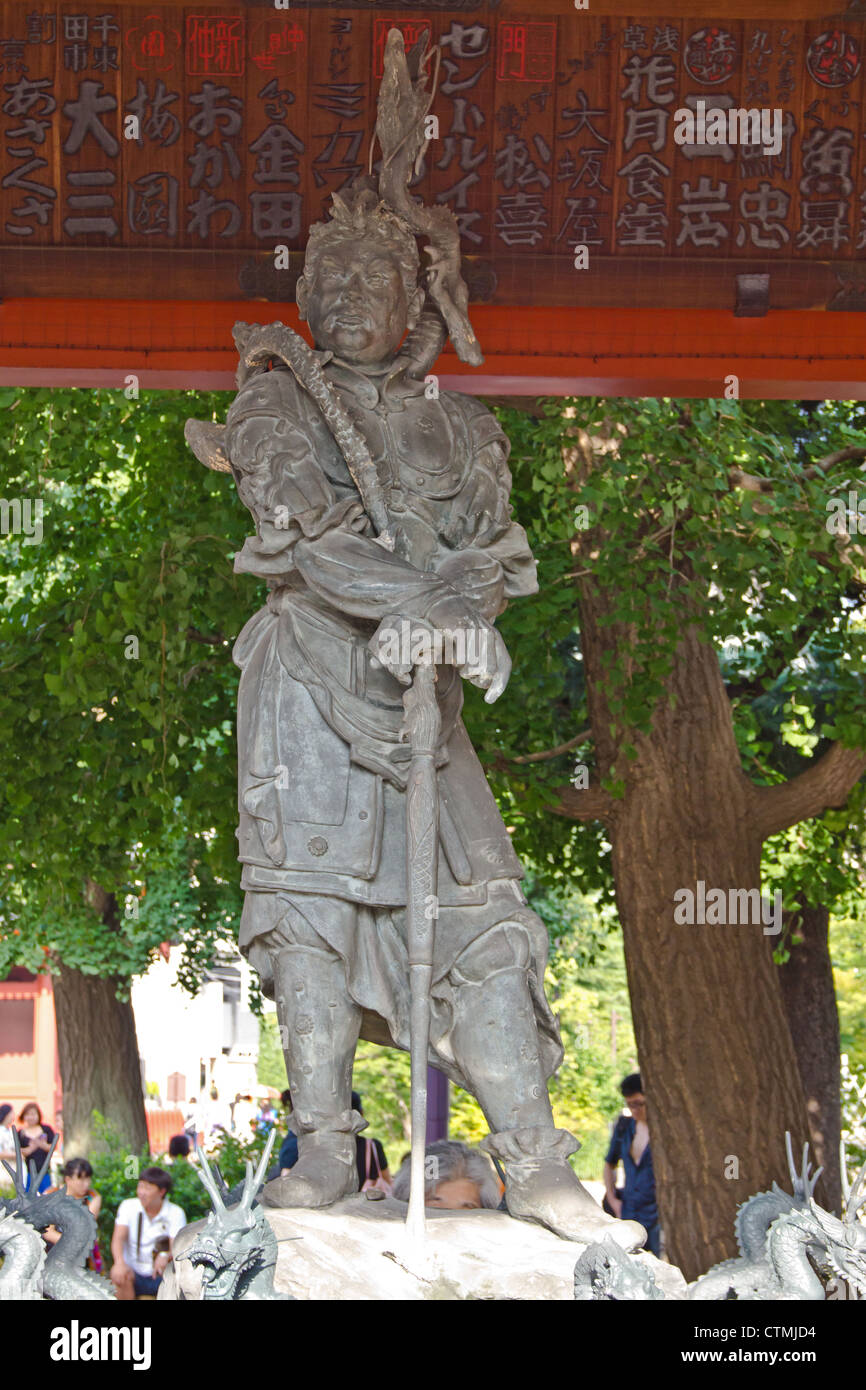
{"x":322,"y":766}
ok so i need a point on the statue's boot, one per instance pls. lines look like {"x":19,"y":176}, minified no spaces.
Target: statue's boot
{"x":541,"y":1185}
{"x":495,"y":1041}
{"x":321,"y":1025}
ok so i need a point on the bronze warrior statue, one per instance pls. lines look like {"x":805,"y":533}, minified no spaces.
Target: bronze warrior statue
{"x":318,"y":443}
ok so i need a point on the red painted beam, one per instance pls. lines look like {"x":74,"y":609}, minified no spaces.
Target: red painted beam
{"x":528,"y":351}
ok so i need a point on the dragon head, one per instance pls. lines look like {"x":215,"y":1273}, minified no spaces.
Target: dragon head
{"x":236,"y":1243}
{"x":604,"y":1272}
{"x":835,"y":1249}
{"x":844,"y":1243}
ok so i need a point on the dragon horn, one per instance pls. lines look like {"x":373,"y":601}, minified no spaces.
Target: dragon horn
{"x":209,"y":1182}
{"x":795,"y":1177}
{"x":252,"y":1184}
{"x":221,"y":1184}
{"x":855,"y":1196}
{"x":18,"y":1175}
{"x":248,"y":1178}
{"x":849,"y":1190}
{"x":809,"y":1183}
{"x":843,"y":1173}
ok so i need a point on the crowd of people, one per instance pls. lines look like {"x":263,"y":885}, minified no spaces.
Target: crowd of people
{"x":34,"y":1138}
{"x":457,"y":1177}
{"x":145,"y":1225}
{"x":208,"y":1120}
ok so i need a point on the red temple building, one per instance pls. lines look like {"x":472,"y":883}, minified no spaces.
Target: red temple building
{"x":28,"y":1044}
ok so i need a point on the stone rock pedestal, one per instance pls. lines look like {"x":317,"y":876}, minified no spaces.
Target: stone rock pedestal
{"x":356,"y":1249}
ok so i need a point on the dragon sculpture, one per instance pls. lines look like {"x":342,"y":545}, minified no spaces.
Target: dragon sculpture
{"x":235,"y":1247}
{"x":23,"y":1259}
{"x":791,"y":1250}
{"x":605,"y":1272}
{"x":60,"y":1275}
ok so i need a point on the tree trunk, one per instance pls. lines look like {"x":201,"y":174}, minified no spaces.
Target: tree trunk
{"x":98,"y":1050}
{"x":716,"y":1054}
{"x":810,"y":1004}
{"x":99,"y":1065}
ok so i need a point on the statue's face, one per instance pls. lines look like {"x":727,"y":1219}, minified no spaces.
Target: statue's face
{"x":356,"y":306}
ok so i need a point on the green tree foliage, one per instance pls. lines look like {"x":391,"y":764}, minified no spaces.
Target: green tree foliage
{"x":271,"y":1067}
{"x":819,"y":861}
{"x":848,"y":949}
{"x":381,"y":1077}
{"x":730,"y":499}
{"x":117,"y":689}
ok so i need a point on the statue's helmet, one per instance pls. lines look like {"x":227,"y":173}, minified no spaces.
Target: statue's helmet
{"x":358,"y":214}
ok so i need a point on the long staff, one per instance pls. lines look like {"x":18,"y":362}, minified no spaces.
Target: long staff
{"x":422,"y":726}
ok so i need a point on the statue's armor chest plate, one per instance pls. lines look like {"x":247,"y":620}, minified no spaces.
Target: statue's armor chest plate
{"x":420,"y":447}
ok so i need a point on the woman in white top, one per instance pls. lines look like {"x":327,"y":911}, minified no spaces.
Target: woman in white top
{"x":7,"y":1140}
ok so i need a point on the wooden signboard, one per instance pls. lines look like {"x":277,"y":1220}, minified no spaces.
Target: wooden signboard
{"x":165,"y":152}
{"x":207,"y":129}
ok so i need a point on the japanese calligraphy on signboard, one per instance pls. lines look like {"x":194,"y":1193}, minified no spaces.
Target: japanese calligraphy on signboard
{"x":214,"y":128}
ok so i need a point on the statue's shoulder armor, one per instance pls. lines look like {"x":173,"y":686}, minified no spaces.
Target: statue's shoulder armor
{"x":489,"y":448}
{"x":483,"y":426}
{"x":276,"y":392}
{"x":271,"y":415}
